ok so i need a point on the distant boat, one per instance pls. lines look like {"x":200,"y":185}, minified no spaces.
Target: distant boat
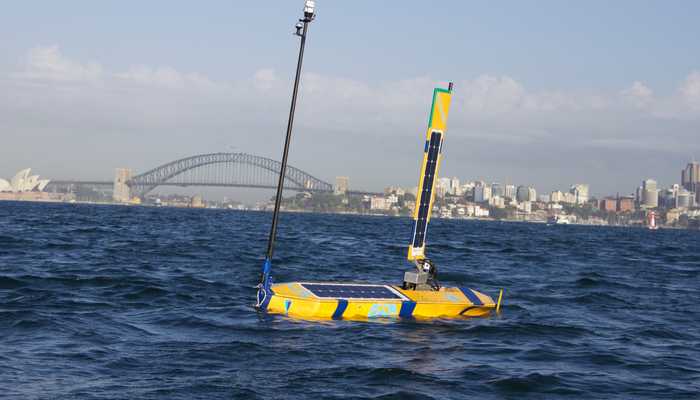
{"x":651,"y":220}
{"x":558,"y":220}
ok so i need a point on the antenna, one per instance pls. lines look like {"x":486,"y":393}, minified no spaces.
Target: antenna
{"x":264,"y":291}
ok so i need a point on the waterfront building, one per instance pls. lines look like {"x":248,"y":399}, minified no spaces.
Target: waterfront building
{"x":522,"y":194}
{"x":197,"y":202}
{"x":23,"y":182}
{"x":580,"y":191}
{"x":481,"y":212}
{"x":341,"y":185}
{"x":509,"y":192}
{"x":555,"y":207}
{"x":667,"y":199}
{"x":482,"y":193}
{"x":672,"y":216}
{"x":556,"y":196}
{"x":455,"y":189}
{"x":608,"y":204}
{"x":690,"y":179}
{"x":625,"y":204}
{"x":544,"y":198}
{"x":675,"y":188}
{"x":569,"y":198}
{"x":684,"y":199}
{"x":472,"y":210}
{"x":531,"y":194}
{"x":525,"y":207}
{"x":467,"y":188}
{"x":638,"y":195}
{"x":497,"y":201}
{"x":650,"y":194}
{"x":443,"y":187}
{"x":394,"y":190}
{"x":497,"y":190}
{"x":17,"y":182}
{"x":378,"y":203}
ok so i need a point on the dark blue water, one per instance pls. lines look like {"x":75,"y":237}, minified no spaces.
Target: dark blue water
{"x":101,"y":302}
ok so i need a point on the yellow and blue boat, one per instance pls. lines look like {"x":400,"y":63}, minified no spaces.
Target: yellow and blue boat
{"x":420,"y":295}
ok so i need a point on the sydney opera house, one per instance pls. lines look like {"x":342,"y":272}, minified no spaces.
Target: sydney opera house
{"x":27,"y":187}
{"x":23,"y":182}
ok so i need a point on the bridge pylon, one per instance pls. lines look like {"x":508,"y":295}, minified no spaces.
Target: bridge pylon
{"x":122,"y":191}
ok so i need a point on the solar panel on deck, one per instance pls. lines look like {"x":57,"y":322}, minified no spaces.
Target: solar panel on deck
{"x":325,"y":290}
{"x":433,"y":150}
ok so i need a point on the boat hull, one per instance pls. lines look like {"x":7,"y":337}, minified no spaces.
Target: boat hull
{"x":363,"y":301}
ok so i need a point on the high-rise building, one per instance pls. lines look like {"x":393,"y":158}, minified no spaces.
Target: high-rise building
{"x":650,"y":194}
{"x":556,"y":196}
{"x":497,"y":189}
{"x":531,"y":194}
{"x":482,"y":193}
{"x":683,"y":199}
{"x":638,"y":195}
{"x":690,"y":179}
{"x":667,"y":198}
{"x":455,"y":189}
{"x":443,"y":187}
{"x":341,"y":184}
{"x":467,"y":188}
{"x":580,"y":190}
{"x":509,"y":192}
{"x":523,"y":193}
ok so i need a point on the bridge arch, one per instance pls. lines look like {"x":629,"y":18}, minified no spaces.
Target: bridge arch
{"x":224,"y":169}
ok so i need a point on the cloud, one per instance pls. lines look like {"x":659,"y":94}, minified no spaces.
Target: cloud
{"x":494,"y":95}
{"x":47,"y":63}
{"x":497,"y":123}
{"x":166,"y":77}
{"x":690,"y":90}
{"x":485,"y":97}
{"x":639,"y":95}
{"x":265,"y":79}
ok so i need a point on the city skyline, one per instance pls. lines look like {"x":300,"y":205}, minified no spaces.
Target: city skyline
{"x":548,"y":116}
{"x":689,"y":181}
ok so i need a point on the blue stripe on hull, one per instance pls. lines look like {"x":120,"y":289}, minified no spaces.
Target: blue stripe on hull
{"x":407,"y":308}
{"x":471,"y":296}
{"x":342,"y":305}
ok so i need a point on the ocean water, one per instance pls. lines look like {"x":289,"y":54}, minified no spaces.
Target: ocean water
{"x":107,"y":302}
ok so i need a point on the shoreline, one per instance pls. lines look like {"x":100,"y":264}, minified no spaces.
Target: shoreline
{"x":297,"y":211}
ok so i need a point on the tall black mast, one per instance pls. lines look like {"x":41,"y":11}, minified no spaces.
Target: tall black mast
{"x":301,"y":30}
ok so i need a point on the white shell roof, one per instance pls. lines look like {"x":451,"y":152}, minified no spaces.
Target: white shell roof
{"x":22,"y":182}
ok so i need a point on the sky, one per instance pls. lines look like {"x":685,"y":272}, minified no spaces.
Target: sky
{"x":547,"y":93}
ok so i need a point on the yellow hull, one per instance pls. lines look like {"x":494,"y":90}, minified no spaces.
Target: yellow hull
{"x":363,"y":301}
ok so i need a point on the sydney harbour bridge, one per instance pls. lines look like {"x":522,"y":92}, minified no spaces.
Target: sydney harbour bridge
{"x":213,"y":170}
